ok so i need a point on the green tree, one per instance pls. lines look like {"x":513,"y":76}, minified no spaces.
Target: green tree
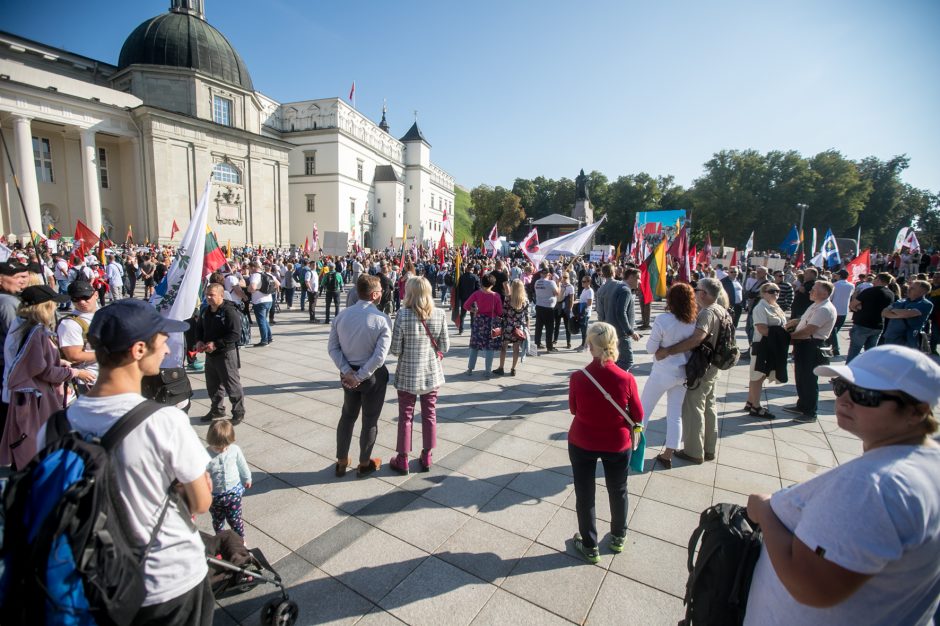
{"x":839,"y":193}
{"x":884,"y":213}
{"x":495,"y":206}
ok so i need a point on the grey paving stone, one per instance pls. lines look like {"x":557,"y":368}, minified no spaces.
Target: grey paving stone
{"x":298,"y":518}
{"x":684,"y":494}
{"x":379,"y":617}
{"x":504,"y":608}
{"x":423,"y":523}
{"x":438,"y":593}
{"x":744,"y":481}
{"x":374,"y":563}
{"x":622,"y":600}
{"x":543,"y":484}
{"x":653,"y":562}
{"x":479,"y":464}
{"x":462,"y":492}
{"x":745,"y":459}
{"x":664,"y":521}
{"x":485,"y":551}
{"x":556,"y":582}
{"x":518,"y":513}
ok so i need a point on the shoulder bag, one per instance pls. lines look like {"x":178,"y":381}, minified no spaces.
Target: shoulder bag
{"x":440,"y":355}
{"x":638,"y":438}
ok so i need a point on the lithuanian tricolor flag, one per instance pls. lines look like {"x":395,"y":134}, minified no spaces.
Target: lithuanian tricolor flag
{"x":653,"y":273}
{"x":213,"y":259}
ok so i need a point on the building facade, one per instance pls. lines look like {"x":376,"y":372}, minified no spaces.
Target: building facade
{"x":130,"y":146}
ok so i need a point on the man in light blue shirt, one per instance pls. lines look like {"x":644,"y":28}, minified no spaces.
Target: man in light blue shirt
{"x":906,"y":318}
{"x":359,"y":341}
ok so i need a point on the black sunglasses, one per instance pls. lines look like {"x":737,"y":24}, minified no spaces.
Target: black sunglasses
{"x":83,"y":298}
{"x":860,"y":395}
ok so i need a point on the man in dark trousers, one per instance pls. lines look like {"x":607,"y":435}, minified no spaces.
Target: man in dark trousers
{"x":218,"y":330}
{"x":331,"y":284}
{"x":468,"y":283}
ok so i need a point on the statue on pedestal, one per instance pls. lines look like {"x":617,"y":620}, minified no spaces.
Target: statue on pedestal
{"x":580,"y":187}
{"x":582,"y":200}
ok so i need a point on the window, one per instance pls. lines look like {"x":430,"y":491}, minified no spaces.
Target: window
{"x":359,"y":170}
{"x":103,"y":167}
{"x":222,"y":110}
{"x":42,"y":157}
{"x":378,"y":200}
{"x":310,"y":163}
{"x":311,"y":203}
{"x":352,"y":205}
{"x":384,"y":214}
{"x":226,"y":173}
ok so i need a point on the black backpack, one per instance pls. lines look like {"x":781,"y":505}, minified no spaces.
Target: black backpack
{"x":729,"y":545}
{"x":267,"y":285}
{"x":726,"y":352}
{"x":330,"y":282}
{"x":67,"y":549}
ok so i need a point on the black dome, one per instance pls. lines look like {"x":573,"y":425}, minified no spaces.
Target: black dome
{"x":183,"y":40}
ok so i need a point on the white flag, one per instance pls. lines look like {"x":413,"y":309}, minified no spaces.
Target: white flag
{"x":492,"y":242}
{"x":178,"y":295}
{"x":569,"y":245}
{"x":446,"y":224}
{"x":901,"y":238}
{"x":812,"y":250}
{"x":749,"y":246}
{"x":910,"y":242}
{"x":5,"y":253}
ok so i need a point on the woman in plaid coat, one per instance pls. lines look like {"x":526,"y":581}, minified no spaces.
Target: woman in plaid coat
{"x":419,"y":340}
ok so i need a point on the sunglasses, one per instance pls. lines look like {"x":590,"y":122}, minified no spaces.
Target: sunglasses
{"x":83,"y":298}
{"x":773,"y":291}
{"x":861,"y":396}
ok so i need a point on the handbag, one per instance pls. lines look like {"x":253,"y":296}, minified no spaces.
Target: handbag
{"x":638,"y":438}
{"x":518,"y":333}
{"x":440,"y":355}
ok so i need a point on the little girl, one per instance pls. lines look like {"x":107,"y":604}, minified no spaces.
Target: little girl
{"x":228,"y":471}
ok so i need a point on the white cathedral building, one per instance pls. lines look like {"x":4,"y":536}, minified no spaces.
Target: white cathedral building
{"x":132,"y":145}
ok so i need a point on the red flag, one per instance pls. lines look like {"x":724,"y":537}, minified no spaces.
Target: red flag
{"x":173,"y":230}
{"x":652,"y":228}
{"x":494,"y":241}
{"x":708,"y":249}
{"x":646,"y":290}
{"x":798,"y":261}
{"x":530,"y":245}
{"x":734,"y":258}
{"x":680,"y":250}
{"x":352,"y":91}
{"x":441,"y":249}
{"x":86,"y":236}
{"x":307,"y":245}
{"x":859,"y":265}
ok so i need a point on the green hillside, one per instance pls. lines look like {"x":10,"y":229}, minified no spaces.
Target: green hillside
{"x":462,"y":219}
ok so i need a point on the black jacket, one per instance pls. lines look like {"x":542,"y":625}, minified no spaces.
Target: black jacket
{"x":222,"y":327}
{"x":771,"y":353}
{"x":468,"y":283}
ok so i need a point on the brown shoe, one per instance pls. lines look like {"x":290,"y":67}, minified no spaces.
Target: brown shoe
{"x":665,"y":461}
{"x":688,"y":457}
{"x":709,"y":457}
{"x":341,"y":466}
{"x":372,"y":466}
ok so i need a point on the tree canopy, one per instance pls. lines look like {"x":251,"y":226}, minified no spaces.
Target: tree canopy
{"x":738,"y":192}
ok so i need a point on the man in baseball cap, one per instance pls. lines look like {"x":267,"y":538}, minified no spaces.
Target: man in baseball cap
{"x":130,"y":342}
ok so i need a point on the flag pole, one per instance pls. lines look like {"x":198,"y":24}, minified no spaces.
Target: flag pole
{"x":19,"y":192}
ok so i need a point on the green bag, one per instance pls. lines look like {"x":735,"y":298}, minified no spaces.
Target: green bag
{"x":638,"y":436}
{"x":638,"y":460}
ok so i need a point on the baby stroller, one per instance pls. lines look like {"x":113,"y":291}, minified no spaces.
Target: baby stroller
{"x":235,"y":569}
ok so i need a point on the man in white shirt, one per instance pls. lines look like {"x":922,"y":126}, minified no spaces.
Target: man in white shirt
{"x":163,"y":453}
{"x":261,"y":303}
{"x":810,"y":333}
{"x":546,"y":295}
{"x":841,"y":296}
{"x":115,"y":273}
{"x":72,"y":331}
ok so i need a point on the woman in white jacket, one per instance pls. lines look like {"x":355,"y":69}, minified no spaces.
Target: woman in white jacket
{"x":668,"y":375}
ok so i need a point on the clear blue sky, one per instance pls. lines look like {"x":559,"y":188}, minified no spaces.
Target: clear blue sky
{"x":520,"y":89}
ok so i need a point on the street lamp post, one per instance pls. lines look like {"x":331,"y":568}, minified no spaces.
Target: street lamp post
{"x":802,"y":207}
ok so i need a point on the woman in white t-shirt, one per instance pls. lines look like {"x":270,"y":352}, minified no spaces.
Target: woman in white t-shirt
{"x":767,"y":314}
{"x":668,"y":375}
{"x":582,"y":312}
{"x":860,"y":543}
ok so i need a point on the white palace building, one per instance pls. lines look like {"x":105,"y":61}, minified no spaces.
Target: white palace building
{"x":132,"y":144}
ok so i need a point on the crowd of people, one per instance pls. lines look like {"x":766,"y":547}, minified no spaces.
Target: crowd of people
{"x":84,"y":337}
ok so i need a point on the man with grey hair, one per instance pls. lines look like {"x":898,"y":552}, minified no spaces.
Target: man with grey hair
{"x":699,"y":417}
{"x":810,"y":333}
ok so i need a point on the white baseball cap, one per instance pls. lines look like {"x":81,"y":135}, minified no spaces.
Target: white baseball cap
{"x":891,"y":368}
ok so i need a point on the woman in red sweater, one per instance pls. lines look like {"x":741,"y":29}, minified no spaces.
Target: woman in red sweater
{"x":599,"y":431}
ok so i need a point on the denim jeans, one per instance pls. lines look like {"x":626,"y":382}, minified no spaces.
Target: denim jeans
{"x":861,"y":337}
{"x":583,"y":467}
{"x":487,"y":359}
{"x":261,"y":310}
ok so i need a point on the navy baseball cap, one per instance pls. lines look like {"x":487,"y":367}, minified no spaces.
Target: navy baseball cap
{"x":118,"y":326}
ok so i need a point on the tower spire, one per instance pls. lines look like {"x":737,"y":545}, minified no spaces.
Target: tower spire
{"x":384,"y":123}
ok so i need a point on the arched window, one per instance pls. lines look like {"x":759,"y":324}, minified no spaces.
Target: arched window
{"x":226,"y":173}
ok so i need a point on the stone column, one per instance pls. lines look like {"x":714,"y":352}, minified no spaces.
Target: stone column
{"x":90,"y":172}
{"x":26,"y":174}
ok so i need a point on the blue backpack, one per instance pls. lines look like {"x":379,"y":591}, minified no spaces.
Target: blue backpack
{"x":69,"y":558}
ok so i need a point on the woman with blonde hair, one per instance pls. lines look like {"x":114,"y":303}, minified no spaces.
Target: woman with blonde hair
{"x":485,"y":331}
{"x":419,"y":340}
{"x":597,"y":395}
{"x":33,"y":374}
{"x":668,"y":375}
{"x":515,"y":324}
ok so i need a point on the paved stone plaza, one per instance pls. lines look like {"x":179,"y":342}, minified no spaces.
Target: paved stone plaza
{"x":485,"y":536}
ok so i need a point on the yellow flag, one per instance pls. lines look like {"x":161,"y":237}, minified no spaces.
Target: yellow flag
{"x":659,"y":260}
